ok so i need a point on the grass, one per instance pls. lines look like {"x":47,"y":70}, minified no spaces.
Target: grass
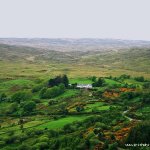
{"x":68,"y":94}
{"x":22,"y":82}
{"x":57,"y":124}
{"x":132,"y":81}
{"x":98,"y":106}
{"x":16,"y":128}
{"x":111,"y":82}
{"x":10,"y":128}
{"x":4,"y":107}
{"x":33,"y":123}
{"x":13,"y":70}
{"x":81,"y":81}
{"x":42,"y":124}
{"x":14,"y":85}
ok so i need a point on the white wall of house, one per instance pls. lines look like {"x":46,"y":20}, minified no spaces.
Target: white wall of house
{"x":88,"y":86}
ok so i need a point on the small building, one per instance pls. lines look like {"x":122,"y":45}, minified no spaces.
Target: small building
{"x":84,"y":86}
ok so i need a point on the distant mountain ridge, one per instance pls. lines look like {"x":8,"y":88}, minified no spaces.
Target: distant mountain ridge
{"x":68,"y":44}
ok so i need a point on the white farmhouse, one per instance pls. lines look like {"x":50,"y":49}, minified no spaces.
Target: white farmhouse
{"x":84,"y":86}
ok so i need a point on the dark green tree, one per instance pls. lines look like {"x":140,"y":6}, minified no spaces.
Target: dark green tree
{"x":93,"y":78}
{"x":100,"y":82}
{"x":65,"y":80}
{"x":140,"y":79}
{"x":58,"y":80}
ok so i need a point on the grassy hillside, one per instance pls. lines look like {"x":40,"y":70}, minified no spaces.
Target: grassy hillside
{"x":20,"y":61}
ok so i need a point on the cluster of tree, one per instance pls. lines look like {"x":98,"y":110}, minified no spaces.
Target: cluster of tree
{"x":130,"y":95}
{"x":52,"y":92}
{"x":140,"y":79}
{"x":19,"y":101}
{"x":98,"y":83}
{"x":59,"y":80}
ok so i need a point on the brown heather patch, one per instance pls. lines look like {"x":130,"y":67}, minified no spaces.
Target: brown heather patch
{"x":126,"y":89}
{"x":110,"y":94}
{"x":122,"y":133}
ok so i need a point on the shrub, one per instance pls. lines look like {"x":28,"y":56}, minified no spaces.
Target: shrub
{"x":38,"y":132}
{"x":24,"y":147}
{"x":42,"y":145}
{"x":90,"y":135}
{"x":52,"y":92}
{"x":37,"y":88}
{"x":140,"y":79}
{"x":42,"y":92}
{"x":2,"y":143}
{"x":21,"y":96}
{"x":106,"y":144}
{"x":146,"y":98}
{"x":101,"y":125}
{"x":128,"y":95}
{"x":10,"y":139}
{"x":43,"y":139}
{"x":52,"y":133}
{"x":113,"y":146}
{"x":146,"y":85}
{"x":94,"y":141}
{"x":3,"y":97}
{"x":29,"y":106}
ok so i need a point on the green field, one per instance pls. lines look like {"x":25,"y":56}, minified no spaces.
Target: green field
{"x":57,"y":124}
{"x":16,"y":85}
{"x":132,"y":81}
{"x":111,"y":82}
{"x":96,"y":106}
{"x":81,"y":81}
{"x":68,"y":94}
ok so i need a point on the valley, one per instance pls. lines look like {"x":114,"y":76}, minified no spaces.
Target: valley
{"x":43,"y":107}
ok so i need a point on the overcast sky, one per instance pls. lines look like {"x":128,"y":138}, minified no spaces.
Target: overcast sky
{"x":119,"y":19}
